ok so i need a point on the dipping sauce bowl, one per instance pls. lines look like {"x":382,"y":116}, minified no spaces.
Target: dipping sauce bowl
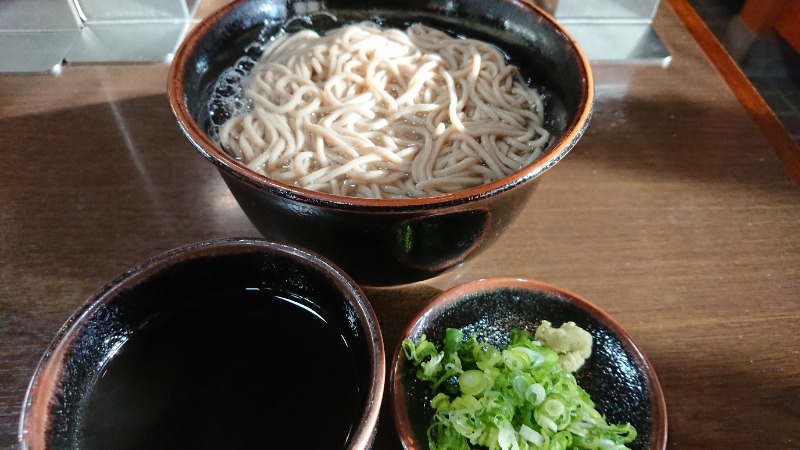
{"x":233,"y":343}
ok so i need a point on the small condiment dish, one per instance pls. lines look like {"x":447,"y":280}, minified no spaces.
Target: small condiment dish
{"x":617,"y":376}
{"x":231,"y":343}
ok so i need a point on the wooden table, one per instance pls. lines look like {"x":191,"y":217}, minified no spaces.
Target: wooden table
{"x":673,"y":214}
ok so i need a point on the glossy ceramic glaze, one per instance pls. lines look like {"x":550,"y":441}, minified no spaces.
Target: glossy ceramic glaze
{"x":617,"y":375}
{"x":387,"y":242}
{"x":57,"y":396}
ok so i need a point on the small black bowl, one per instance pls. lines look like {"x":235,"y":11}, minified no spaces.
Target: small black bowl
{"x":617,"y":376}
{"x":386,"y":242}
{"x":223,"y":344}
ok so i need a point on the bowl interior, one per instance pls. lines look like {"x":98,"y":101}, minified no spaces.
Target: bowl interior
{"x":617,"y":376}
{"x":224,"y":316}
{"x":532,"y":41}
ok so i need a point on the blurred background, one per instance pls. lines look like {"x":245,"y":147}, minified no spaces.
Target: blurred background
{"x":761,"y":36}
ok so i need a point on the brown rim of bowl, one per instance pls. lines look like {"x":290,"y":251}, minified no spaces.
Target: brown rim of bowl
{"x":454,"y":294}
{"x":229,"y":165}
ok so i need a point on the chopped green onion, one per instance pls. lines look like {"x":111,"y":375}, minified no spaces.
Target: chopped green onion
{"x":473,"y":382}
{"x":514,"y":398}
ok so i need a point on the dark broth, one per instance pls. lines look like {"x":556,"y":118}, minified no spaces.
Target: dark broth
{"x":248,"y":368}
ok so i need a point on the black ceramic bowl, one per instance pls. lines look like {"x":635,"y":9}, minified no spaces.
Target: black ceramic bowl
{"x":235,"y":343}
{"x":387,"y":242}
{"x":617,"y":376}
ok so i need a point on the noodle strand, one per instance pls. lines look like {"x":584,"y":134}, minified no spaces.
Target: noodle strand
{"x":385,"y":113}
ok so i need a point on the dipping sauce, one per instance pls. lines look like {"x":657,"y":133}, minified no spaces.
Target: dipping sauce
{"x":249,"y":368}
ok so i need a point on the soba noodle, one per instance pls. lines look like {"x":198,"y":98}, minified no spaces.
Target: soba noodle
{"x":377,"y":112}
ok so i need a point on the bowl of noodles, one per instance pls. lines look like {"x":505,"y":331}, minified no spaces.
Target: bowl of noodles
{"x":398,"y":139}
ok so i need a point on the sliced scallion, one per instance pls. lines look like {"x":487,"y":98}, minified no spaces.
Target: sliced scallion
{"x":513,"y":398}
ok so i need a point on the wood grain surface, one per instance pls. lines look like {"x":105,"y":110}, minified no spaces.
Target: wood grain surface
{"x":673,"y":214}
